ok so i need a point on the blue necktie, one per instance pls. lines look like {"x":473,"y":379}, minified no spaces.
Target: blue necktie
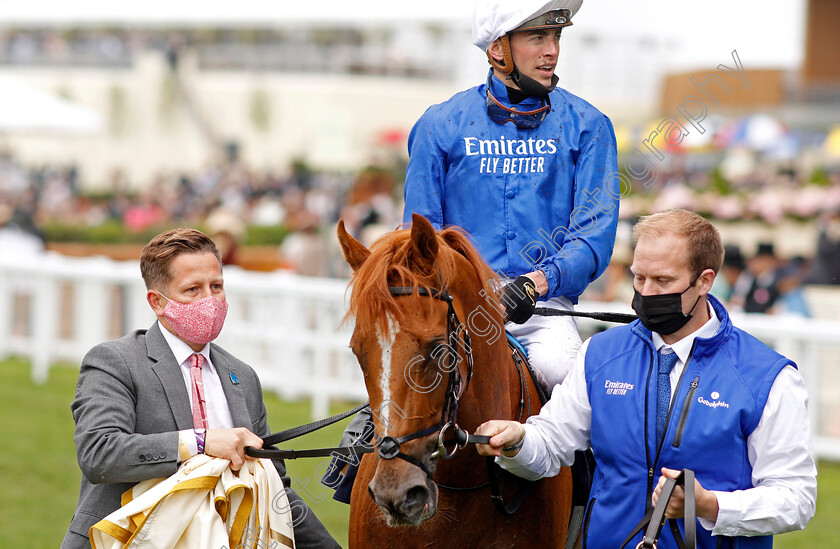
{"x":665,"y":363}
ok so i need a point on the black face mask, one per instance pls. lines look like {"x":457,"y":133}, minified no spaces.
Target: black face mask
{"x":662,"y":313}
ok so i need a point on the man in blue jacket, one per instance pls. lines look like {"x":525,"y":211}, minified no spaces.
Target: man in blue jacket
{"x":679,"y":388}
{"x":528,"y":170}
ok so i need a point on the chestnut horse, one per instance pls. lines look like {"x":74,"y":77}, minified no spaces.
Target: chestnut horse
{"x":430,"y":341}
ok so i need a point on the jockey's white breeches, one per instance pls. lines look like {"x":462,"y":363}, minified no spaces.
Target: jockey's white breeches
{"x":552,"y":342}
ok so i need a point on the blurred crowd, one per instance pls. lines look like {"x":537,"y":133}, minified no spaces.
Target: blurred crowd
{"x":762,"y":194}
{"x":226,"y":200}
{"x":755,"y":169}
{"x":229,"y":200}
{"x":750,"y":281}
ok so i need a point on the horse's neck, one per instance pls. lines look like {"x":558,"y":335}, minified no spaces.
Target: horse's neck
{"x":493,"y":393}
{"x":495,"y":389}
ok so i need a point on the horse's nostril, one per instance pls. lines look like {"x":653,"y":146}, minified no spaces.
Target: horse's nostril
{"x":372,"y":496}
{"x":415,"y":499}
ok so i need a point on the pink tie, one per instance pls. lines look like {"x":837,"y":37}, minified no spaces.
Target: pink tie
{"x":199,"y":407}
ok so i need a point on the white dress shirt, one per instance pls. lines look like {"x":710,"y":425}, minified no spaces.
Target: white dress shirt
{"x":218,"y":411}
{"x":784,"y":493}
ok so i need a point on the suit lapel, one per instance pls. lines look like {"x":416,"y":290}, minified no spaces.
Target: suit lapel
{"x":169,"y":374}
{"x":233,"y":391}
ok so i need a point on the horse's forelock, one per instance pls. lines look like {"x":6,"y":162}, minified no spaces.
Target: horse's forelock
{"x":393,"y":261}
{"x":370,"y":299}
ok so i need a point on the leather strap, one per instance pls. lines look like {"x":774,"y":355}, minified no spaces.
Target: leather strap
{"x":506,"y":64}
{"x":294,"y":432}
{"x":654,"y":520}
{"x":524,"y":490}
{"x":582,"y":471}
{"x":575,"y":526}
{"x":462,"y":438}
{"x":275,"y":453}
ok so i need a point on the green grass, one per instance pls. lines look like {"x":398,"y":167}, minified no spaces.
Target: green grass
{"x":40,"y":477}
{"x":306,"y":482}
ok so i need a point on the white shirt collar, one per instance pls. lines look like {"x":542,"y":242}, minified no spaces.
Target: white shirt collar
{"x":179,"y":348}
{"x":683,"y":346}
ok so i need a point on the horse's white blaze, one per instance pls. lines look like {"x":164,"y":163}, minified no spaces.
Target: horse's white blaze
{"x":386,"y":343}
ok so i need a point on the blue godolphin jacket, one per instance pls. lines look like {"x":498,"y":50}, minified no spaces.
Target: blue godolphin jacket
{"x":717,"y":404}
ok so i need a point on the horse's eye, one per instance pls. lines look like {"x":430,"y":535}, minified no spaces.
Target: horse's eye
{"x":361,"y":356}
{"x":436,"y":346}
{"x":439,"y":352}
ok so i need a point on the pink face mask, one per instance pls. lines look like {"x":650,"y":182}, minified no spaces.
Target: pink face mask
{"x":197,"y":322}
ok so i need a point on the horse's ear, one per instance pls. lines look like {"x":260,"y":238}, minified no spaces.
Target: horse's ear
{"x":423,"y":238}
{"x":354,"y":251}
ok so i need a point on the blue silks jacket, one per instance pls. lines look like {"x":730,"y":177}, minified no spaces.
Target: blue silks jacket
{"x":543,"y":198}
{"x":717,"y":404}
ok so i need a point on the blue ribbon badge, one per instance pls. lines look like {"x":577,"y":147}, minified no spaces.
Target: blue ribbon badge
{"x":233,"y":379}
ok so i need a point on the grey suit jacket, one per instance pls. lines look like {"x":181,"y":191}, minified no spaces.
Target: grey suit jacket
{"x":130,"y":403}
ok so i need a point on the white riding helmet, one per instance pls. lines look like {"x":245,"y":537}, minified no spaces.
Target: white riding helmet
{"x":498,"y":18}
{"x":493,"y":19}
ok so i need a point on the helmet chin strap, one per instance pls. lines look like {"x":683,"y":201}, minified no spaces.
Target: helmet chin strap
{"x":529,"y":86}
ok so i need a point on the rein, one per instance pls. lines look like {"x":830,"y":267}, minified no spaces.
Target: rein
{"x":295,"y":432}
{"x":389,"y":447}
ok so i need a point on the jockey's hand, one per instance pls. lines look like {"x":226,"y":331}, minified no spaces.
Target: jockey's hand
{"x":519,"y":299}
{"x":230,"y":444}
{"x":705,"y":501}
{"x":504,"y":435}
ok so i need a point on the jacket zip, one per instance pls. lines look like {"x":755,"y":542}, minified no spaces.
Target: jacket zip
{"x":647,"y":454}
{"x":689,"y":400}
{"x":652,"y":467}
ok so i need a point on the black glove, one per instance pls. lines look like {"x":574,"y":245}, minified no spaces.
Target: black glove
{"x":519,"y":299}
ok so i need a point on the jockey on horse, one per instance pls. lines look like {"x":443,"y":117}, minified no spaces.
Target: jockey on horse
{"x":529,"y":171}
{"x":532,"y":191}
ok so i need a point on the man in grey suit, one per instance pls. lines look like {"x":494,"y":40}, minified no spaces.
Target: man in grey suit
{"x":154,"y":398}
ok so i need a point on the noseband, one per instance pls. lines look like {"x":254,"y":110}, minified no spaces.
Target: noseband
{"x":389,"y":447}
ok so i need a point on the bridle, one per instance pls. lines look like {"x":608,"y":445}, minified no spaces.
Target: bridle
{"x":388,"y":447}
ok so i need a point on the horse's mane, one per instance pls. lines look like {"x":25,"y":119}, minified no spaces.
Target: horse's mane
{"x":392,"y":262}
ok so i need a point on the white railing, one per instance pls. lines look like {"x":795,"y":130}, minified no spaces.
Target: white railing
{"x":289,"y":328}
{"x":54,"y":309}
